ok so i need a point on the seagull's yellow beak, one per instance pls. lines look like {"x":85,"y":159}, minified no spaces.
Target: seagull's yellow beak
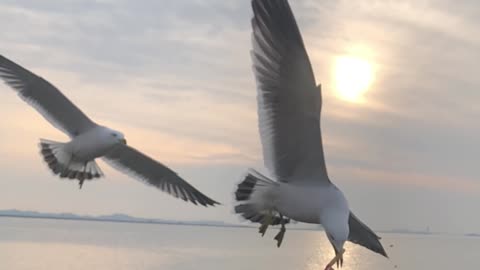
{"x":336,"y":260}
{"x":123,"y":141}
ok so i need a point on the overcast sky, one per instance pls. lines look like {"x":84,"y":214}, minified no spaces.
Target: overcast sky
{"x":175,"y":77}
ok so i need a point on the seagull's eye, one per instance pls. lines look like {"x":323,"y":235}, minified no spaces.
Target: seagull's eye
{"x":114,"y":135}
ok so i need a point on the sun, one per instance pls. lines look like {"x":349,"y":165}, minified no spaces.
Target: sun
{"x":353,"y":77}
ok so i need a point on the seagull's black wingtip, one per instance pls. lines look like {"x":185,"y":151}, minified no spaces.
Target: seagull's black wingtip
{"x":212,"y":203}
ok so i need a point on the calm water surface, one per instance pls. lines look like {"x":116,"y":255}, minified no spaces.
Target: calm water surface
{"x":69,"y":245}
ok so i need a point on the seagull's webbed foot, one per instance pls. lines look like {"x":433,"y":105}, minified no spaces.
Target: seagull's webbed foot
{"x":265,"y":223}
{"x":279,"y":236}
{"x":81,"y":179}
{"x":281,"y":233}
{"x":338,"y":259}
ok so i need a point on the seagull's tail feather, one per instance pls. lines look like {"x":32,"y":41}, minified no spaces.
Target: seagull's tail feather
{"x":254,"y":196}
{"x":362,"y":235}
{"x":63,"y":164}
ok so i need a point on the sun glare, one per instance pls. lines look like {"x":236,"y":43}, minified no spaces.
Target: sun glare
{"x":353,"y":77}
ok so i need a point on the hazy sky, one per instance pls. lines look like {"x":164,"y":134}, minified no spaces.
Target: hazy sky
{"x":175,"y":77}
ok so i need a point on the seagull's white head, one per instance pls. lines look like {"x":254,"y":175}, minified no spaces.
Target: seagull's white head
{"x":335,"y":220}
{"x":337,"y":244}
{"x":337,"y":231}
{"x":115,"y":136}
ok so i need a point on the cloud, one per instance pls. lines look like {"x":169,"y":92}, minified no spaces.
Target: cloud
{"x":175,"y":77}
{"x":397,"y":178}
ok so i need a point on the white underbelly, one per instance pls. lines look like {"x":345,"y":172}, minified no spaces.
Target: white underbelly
{"x":305,"y":203}
{"x":90,"y":145}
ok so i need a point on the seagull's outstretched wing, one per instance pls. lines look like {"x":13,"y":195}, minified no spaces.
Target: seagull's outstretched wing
{"x":45,"y":98}
{"x":362,"y":235}
{"x":135,"y":163}
{"x":289,"y":102}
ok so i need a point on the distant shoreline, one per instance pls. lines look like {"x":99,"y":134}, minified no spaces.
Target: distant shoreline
{"x":121,"y":218}
{"x":94,"y":219}
{"x":156,"y":222}
{"x":138,"y":221}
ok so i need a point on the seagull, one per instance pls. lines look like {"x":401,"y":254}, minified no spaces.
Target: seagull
{"x":88,"y":141}
{"x":289,"y":105}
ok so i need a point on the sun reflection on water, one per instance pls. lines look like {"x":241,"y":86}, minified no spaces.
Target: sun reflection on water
{"x":324,"y":253}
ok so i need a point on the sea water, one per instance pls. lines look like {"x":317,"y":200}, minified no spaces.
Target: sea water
{"x":43,"y":244}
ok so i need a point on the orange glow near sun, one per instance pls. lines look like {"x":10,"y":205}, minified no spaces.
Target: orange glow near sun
{"x":353,"y":77}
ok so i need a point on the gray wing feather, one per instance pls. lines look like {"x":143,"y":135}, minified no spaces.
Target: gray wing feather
{"x":135,"y":163}
{"x":362,"y":235}
{"x":289,"y":103}
{"x":45,"y":98}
